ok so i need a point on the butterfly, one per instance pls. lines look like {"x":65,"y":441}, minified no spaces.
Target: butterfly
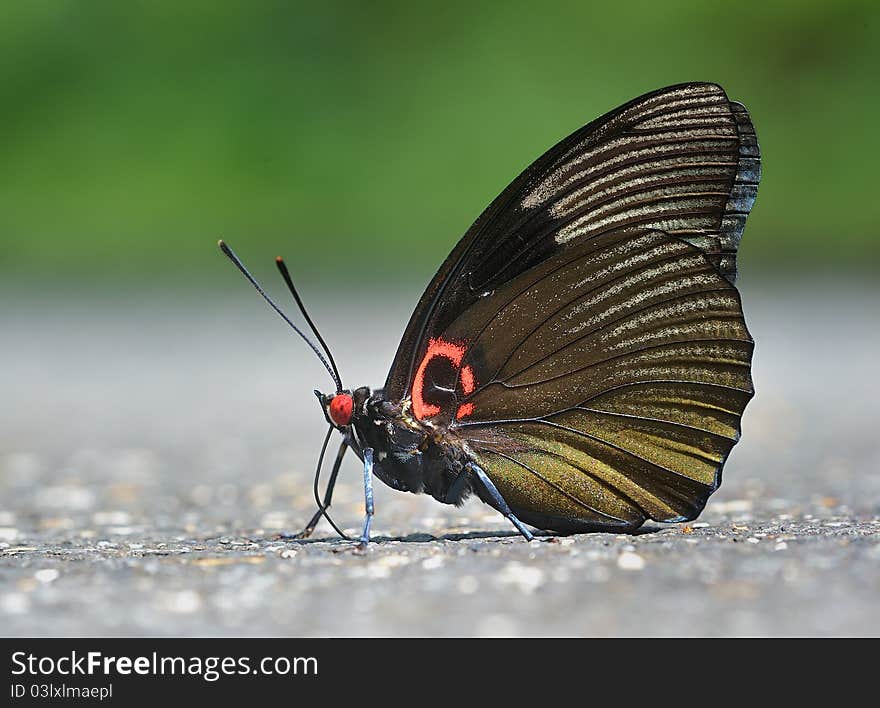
{"x":580,"y":362}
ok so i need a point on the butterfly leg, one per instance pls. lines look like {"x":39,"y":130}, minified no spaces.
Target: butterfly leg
{"x":328,"y":496}
{"x":368,"y":497}
{"x":499,"y":500}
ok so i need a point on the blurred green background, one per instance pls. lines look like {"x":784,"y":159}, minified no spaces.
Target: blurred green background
{"x":135,"y":134}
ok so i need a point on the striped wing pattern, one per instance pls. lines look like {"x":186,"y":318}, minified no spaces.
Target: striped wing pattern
{"x":683,"y":161}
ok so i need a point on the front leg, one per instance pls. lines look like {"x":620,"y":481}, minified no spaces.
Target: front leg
{"x":368,"y":497}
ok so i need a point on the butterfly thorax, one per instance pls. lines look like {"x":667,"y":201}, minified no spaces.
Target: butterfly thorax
{"x":410,"y":455}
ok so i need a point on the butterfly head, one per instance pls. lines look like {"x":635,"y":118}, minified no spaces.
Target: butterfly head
{"x":340,"y":408}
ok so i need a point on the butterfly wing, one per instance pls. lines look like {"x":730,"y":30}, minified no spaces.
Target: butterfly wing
{"x":585,"y":338}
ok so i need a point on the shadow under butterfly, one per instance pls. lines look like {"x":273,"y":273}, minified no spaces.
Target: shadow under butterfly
{"x":580,"y":361}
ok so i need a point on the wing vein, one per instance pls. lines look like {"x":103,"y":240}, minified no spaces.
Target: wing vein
{"x":559,"y":489}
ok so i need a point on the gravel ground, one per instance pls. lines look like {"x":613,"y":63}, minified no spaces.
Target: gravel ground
{"x":152,"y":449}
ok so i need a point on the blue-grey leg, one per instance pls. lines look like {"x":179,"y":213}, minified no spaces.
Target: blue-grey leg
{"x":368,"y":496}
{"x":499,"y":500}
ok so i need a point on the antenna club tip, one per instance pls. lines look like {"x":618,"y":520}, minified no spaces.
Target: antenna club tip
{"x":222,"y":244}
{"x":279,"y":259}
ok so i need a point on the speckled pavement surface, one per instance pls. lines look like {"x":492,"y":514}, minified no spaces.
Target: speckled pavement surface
{"x":151,"y":450}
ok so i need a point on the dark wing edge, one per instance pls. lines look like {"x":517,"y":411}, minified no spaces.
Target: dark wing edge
{"x":683,"y":159}
{"x":742,"y":194}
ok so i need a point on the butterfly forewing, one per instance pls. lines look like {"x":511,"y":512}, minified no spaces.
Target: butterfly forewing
{"x":683,"y":160}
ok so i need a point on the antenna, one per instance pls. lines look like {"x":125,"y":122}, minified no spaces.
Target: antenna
{"x":282,"y":267}
{"x":230,"y":254}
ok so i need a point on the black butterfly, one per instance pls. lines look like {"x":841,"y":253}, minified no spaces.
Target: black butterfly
{"x":580,"y":361}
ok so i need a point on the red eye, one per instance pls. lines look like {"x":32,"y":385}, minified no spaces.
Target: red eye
{"x":340,"y":409}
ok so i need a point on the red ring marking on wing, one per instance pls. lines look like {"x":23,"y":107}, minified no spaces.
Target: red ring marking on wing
{"x":453,"y":352}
